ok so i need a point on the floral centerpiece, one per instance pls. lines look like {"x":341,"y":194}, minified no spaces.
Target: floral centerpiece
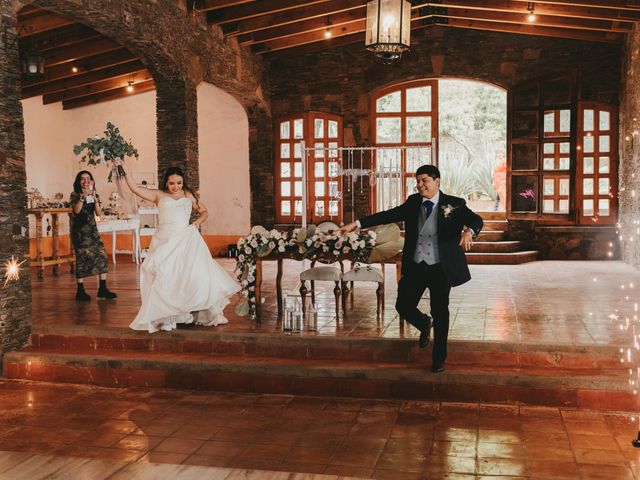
{"x":307,"y":242}
{"x":105,"y":149}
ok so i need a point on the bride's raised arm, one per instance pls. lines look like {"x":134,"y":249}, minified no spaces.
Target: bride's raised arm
{"x":148,"y":194}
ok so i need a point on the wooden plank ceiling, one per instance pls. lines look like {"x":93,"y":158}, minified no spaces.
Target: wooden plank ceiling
{"x":276,"y":28}
{"x":82,"y":67}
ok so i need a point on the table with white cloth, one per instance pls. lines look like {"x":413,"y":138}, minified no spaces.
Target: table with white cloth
{"x":123,"y":225}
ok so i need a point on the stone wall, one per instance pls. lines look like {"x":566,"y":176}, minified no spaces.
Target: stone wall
{"x":567,"y":243}
{"x":340,"y":81}
{"x":629,"y":175}
{"x":15,"y":296}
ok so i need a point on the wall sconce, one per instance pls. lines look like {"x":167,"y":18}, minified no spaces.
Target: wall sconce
{"x":33,"y":65}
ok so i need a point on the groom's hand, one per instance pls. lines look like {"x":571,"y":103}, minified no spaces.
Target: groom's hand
{"x":466,"y":241}
{"x":348,"y":228}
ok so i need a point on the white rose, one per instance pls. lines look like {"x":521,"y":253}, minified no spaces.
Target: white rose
{"x":241,"y":258}
{"x":281,"y":248}
{"x":272,"y":245}
{"x":254,"y":244}
{"x":247,"y":250}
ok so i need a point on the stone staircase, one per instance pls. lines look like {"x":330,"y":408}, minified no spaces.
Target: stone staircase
{"x":552,"y":375}
{"x":491,"y":246}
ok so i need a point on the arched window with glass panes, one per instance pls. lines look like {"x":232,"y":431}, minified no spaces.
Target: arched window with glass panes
{"x":321,"y":132}
{"x":404,"y":130}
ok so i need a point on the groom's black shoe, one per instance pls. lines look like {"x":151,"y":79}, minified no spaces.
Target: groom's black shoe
{"x":437,"y":367}
{"x":424,"y":334}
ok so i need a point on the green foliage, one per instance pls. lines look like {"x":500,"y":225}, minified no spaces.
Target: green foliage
{"x":111,"y":146}
{"x":456,"y":173}
{"x":473,"y":127}
{"x":482,"y":167}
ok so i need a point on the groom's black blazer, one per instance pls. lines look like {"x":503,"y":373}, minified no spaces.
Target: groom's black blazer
{"x":453,"y":215}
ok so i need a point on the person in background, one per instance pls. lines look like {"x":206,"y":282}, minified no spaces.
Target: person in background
{"x":91,"y":257}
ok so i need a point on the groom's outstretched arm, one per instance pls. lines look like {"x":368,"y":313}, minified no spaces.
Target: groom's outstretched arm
{"x":397,"y":214}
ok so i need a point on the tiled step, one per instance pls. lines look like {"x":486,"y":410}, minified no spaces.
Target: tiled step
{"x":72,"y":338}
{"x":501,"y":225}
{"x":493,"y":215}
{"x":513,"y":258}
{"x":491,"y":236}
{"x":496,"y":247}
{"x":583,"y":388}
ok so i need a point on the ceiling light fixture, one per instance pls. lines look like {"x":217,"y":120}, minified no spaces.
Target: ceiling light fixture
{"x":388,"y":28}
{"x":74,"y":68}
{"x":531,"y":9}
{"x":130,"y":86}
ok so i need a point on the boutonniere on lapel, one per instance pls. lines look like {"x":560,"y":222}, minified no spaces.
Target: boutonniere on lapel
{"x":447,"y":210}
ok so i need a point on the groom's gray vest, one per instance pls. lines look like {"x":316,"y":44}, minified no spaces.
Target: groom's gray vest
{"x":427,"y":245}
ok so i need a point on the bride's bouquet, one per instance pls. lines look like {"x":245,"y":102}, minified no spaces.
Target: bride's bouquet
{"x":106,"y":149}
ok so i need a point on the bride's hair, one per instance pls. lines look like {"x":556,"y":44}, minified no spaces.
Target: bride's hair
{"x":176,"y":171}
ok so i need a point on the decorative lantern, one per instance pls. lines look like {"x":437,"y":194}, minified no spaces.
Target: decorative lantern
{"x":33,"y":65}
{"x":388,"y":28}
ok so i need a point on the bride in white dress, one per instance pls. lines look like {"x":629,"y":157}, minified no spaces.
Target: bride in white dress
{"x":179,"y":282}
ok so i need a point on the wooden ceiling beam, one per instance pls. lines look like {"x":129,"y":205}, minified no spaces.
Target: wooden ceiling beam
{"x":264,"y":7}
{"x":541,"y":20}
{"x":632,"y":5}
{"x":545,"y":9}
{"x":96,"y":62}
{"x":589,"y":36}
{"x":108,"y":95}
{"x":329,"y":23}
{"x":209,"y":5}
{"x":316,"y":47}
{"x":64,"y":37}
{"x":121,"y":81}
{"x":290,"y":16}
{"x":80,"y":51}
{"x":310,"y":37}
{"x":34,"y":25}
{"x":80,"y":79}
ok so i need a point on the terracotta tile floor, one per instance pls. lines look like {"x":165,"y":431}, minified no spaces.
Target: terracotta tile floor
{"x":541,"y":302}
{"x":349,"y":437}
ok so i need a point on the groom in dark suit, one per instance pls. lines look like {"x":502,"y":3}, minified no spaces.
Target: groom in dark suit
{"x":437,"y":227}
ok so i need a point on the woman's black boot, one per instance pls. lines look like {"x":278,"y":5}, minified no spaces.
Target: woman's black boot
{"x":81,"y":295}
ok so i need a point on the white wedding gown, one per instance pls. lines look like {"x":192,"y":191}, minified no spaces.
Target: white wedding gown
{"x":179,"y":276}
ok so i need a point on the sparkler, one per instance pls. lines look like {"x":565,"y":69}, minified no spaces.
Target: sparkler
{"x":12,"y":270}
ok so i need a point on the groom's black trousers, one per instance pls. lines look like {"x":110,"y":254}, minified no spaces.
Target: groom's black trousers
{"x":415,"y":280}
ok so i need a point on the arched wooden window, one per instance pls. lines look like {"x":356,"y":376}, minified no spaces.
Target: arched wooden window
{"x":404,"y":129}
{"x":322,"y":132}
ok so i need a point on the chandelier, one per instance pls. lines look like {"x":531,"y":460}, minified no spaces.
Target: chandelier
{"x":388,"y":28}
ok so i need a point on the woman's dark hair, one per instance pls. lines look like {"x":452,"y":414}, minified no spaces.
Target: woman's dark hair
{"x":176,"y":171}
{"x":76,"y":183}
